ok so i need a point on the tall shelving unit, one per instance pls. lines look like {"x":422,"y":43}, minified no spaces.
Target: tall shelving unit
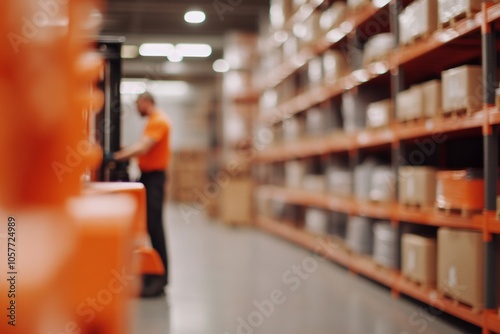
{"x":473,"y":37}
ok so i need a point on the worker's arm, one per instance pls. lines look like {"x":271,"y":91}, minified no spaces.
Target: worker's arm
{"x":134,"y":150}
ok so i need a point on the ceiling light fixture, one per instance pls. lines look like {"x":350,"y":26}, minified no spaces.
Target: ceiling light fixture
{"x":175,"y":56}
{"x":156,"y":49}
{"x":221,"y":66}
{"x":194,"y":16}
{"x":194,"y":50}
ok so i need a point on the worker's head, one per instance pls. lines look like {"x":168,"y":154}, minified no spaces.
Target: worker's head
{"x":145,"y":103}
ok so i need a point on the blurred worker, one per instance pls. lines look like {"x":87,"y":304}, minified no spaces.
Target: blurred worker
{"x":153,"y":154}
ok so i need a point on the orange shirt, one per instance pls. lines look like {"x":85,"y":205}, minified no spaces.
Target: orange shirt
{"x":157,"y":158}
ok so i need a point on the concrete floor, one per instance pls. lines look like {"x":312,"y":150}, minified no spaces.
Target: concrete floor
{"x":244,"y":281}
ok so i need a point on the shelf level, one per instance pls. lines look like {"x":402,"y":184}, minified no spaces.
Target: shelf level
{"x":366,"y":267}
{"x":339,"y":141}
{"x":352,"y":206}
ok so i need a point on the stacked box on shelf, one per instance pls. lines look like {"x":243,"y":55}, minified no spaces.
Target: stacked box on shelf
{"x":462,"y":89}
{"x":460,"y":262}
{"x":236,"y":204}
{"x":419,"y":101}
{"x":339,"y":181}
{"x":363,"y":179}
{"x":357,"y":4}
{"x":461,"y":190}
{"x":449,"y":10}
{"x":378,"y":114}
{"x":316,"y":221}
{"x":418,"y":19}
{"x":385,"y":244}
{"x":333,"y":16}
{"x":418,"y":259}
{"x":335,"y":66}
{"x":378,"y":47}
{"x":417,"y":186}
{"x":383,"y":184}
{"x":295,"y":171}
{"x":188,"y":173}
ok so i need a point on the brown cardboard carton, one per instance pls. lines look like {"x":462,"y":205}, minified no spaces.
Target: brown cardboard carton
{"x":378,"y":114}
{"x":462,"y":88}
{"x":235,"y":205}
{"x":449,"y":9}
{"x":417,"y":186}
{"x":410,"y":104}
{"x":418,"y":19}
{"x":461,"y":265}
{"x":418,"y":259}
{"x":432,"y":97}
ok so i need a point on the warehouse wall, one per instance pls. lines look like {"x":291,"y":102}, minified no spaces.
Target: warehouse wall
{"x":188,"y":114}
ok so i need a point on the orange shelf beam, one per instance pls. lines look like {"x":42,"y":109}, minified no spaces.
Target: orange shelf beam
{"x":394,"y":212}
{"x":493,"y":322}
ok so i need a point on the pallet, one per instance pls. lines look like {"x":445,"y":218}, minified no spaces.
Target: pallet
{"x":464,"y":212}
{"x":468,"y":14}
{"x":463,"y":112}
{"x":419,"y":283}
{"x":412,"y":206}
{"x":476,"y":309}
{"x":412,"y":121}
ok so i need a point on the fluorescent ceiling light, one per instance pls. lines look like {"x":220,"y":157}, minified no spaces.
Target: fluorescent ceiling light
{"x":221,"y":66}
{"x":130,"y":51}
{"x":156,"y":49}
{"x":194,"y":16}
{"x":175,"y":56}
{"x":194,"y":50}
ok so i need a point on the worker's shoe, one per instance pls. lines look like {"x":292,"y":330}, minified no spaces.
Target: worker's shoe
{"x":153,"y":286}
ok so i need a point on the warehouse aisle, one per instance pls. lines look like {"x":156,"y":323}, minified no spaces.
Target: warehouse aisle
{"x":243,"y":281}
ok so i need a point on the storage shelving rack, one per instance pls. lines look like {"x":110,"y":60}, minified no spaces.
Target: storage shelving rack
{"x":446,"y":47}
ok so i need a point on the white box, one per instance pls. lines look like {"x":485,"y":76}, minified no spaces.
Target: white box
{"x":409,"y":104}
{"x":290,"y":47}
{"x":462,"y":88}
{"x":354,"y":4}
{"x":316,"y":221}
{"x":293,"y":128}
{"x":339,"y":181}
{"x":294,"y":173}
{"x":363,"y":179}
{"x":383,"y":184}
{"x":385,"y":244}
{"x":449,"y":9}
{"x":378,"y":114}
{"x":335,"y":66}
{"x":314,"y":183}
{"x":418,"y":19}
{"x":333,"y":16}
{"x":315,"y":71}
{"x":378,"y":47}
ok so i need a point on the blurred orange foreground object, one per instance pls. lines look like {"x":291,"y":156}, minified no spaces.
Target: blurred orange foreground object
{"x":146,"y":257}
{"x":71,"y":269}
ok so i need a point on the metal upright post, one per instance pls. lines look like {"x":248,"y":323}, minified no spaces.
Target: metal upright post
{"x":490,"y":133}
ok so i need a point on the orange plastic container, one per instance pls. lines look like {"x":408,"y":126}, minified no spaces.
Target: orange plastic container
{"x":461,"y":189}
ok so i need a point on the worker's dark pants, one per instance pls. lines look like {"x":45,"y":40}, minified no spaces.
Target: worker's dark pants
{"x":154,"y":182}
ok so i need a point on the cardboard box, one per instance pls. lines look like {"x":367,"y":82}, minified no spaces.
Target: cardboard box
{"x":333,"y":16}
{"x":280,"y":12}
{"x":363,"y":179}
{"x":431,"y":91}
{"x":385,"y":244}
{"x":294,"y":173}
{"x":315,"y":71}
{"x":462,"y":88}
{"x":378,"y":47}
{"x":461,"y":265}
{"x":378,"y":114}
{"x":359,"y":235}
{"x":449,"y":9}
{"x":418,"y":259}
{"x":339,"y":181}
{"x":312,"y":28}
{"x":355,"y":4}
{"x":235,"y":205}
{"x":293,"y":128}
{"x":383,"y":184}
{"x":290,"y":47}
{"x":418,"y":19}
{"x":410,"y":104}
{"x":314,"y":183}
{"x":316,"y":221}
{"x":335,"y":66}
{"x":417,"y":186}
